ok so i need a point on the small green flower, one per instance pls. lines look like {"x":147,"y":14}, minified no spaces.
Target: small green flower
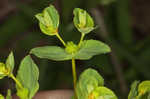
{"x":48,"y":20}
{"x":1,"y":96}
{"x":3,"y":70}
{"x":83,"y":21}
{"x":71,"y":48}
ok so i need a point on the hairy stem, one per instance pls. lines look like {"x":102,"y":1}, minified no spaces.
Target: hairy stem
{"x":81,"y":39}
{"x":17,"y":82}
{"x":74,"y":76}
{"x":62,"y":41}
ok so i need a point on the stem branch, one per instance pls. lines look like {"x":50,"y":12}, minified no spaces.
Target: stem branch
{"x":81,"y":39}
{"x":74,"y":76}
{"x":62,"y":41}
{"x":17,"y":82}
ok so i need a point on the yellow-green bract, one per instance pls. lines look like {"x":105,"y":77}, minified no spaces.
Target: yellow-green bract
{"x":140,"y":90}
{"x":48,"y":20}
{"x":91,"y":86}
{"x":10,"y":62}
{"x":83,"y":21}
{"x":3,"y":70}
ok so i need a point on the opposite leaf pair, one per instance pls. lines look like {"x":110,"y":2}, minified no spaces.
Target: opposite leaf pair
{"x":88,"y":49}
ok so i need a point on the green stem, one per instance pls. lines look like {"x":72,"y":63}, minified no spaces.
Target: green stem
{"x":17,"y":82}
{"x":81,"y":39}
{"x":62,"y":41}
{"x":74,"y":76}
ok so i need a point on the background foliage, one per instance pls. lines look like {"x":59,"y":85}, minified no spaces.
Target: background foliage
{"x":123,"y":24}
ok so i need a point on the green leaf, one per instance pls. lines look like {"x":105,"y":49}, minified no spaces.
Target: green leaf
{"x":148,"y":96}
{"x":144,"y":87}
{"x":89,"y":48}
{"x":134,"y":90}
{"x":102,"y":93}
{"x":28,"y":75}
{"x":10,"y":62}
{"x":8,"y":94}
{"x":143,"y":96}
{"x":23,"y":93}
{"x":83,"y":21}
{"x":48,"y":20}
{"x":88,"y":81}
{"x":51,"y":52}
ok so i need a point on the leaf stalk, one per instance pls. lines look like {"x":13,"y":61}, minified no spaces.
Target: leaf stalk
{"x":59,"y":37}
{"x":81,"y":39}
{"x":17,"y":82}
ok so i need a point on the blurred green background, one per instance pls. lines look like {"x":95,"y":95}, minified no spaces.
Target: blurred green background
{"x":122,"y":24}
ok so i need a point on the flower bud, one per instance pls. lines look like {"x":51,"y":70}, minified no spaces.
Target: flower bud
{"x":83,"y":21}
{"x":3,"y":70}
{"x":71,"y":48}
{"x":49,"y":20}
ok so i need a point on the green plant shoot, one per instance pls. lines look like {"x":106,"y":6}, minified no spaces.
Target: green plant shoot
{"x":84,"y":50}
{"x":26,"y":82}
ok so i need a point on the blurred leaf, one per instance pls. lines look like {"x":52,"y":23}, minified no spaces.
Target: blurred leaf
{"x":123,"y":22}
{"x":134,"y":90}
{"x":106,"y":2}
{"x":144,"y":87}
{"x":8,"y":94}
{"x":1,"y":96}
